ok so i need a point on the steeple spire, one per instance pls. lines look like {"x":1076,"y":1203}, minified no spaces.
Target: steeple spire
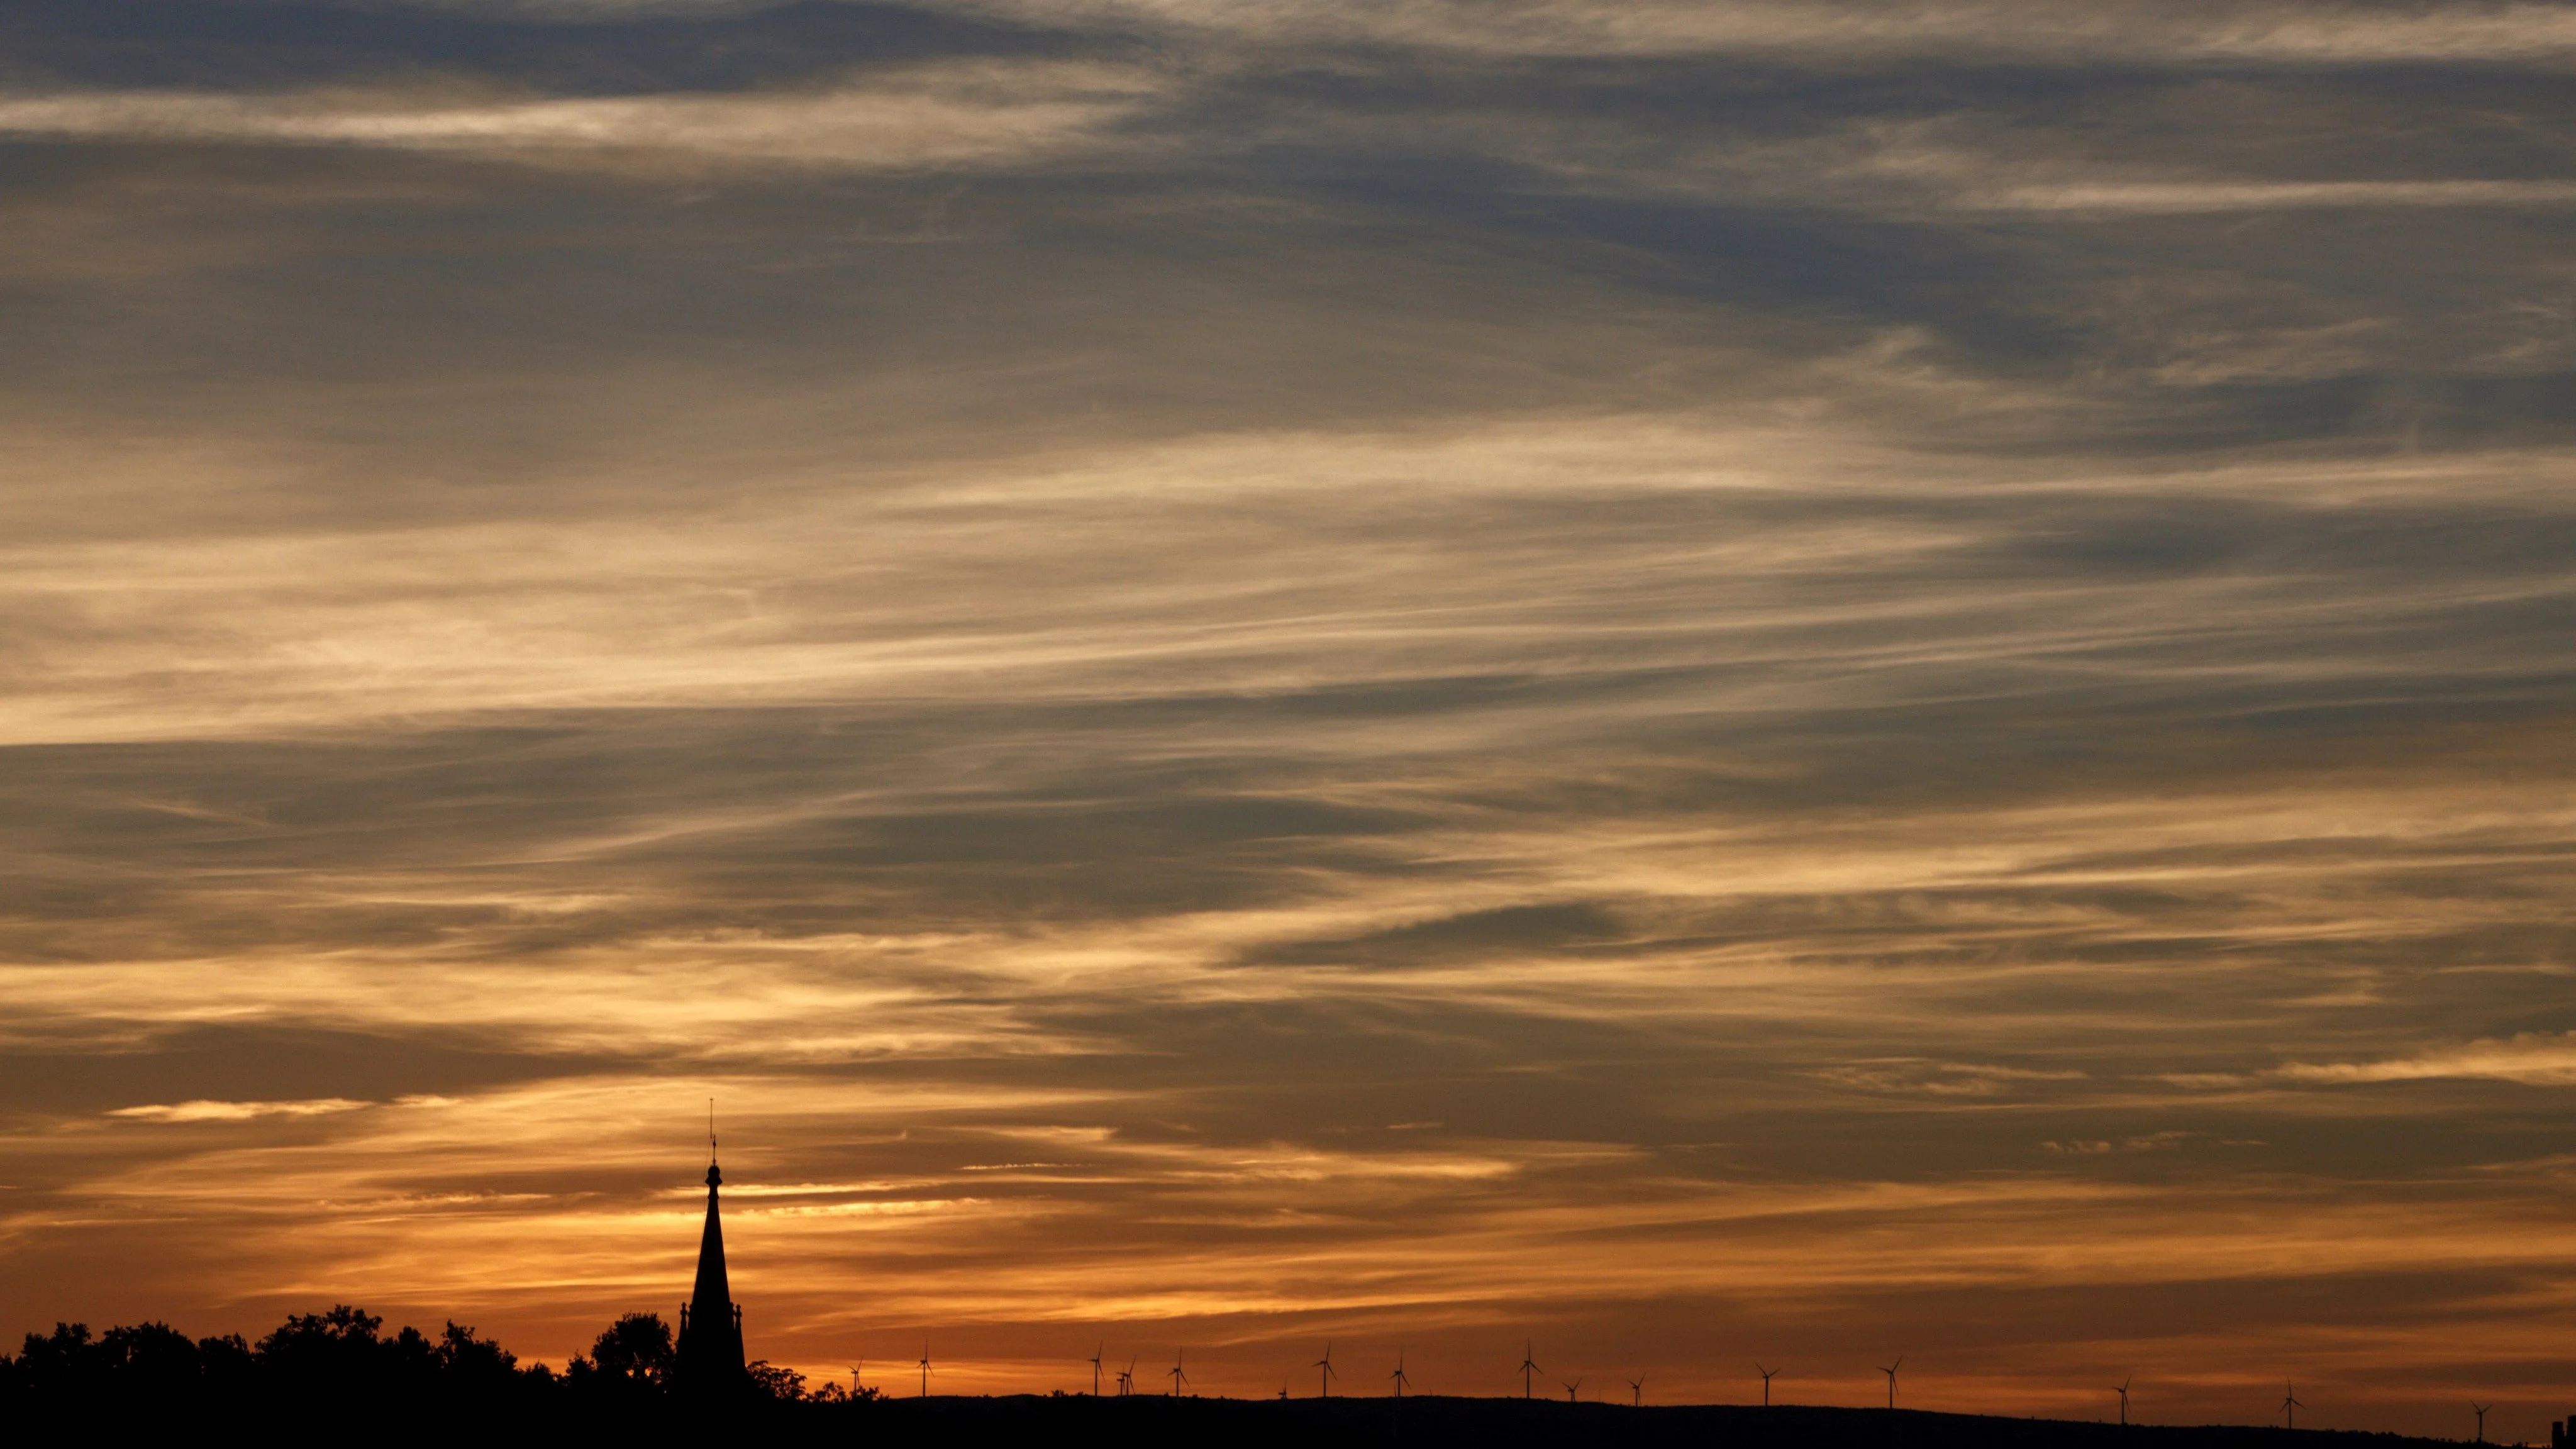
{"x":710,"y":1348}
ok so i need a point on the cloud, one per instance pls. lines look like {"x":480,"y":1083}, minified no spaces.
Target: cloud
{"x":2210,"y":196}
{"x":800,"y":604}
{"x":1239,"y":673}
{"x":2536,"y":1059}
{"x":938,"y":116}
{"x":2313,"y":35}
{"x":1941,"y":1079}
{"x":2096,"y":1147}
{"x":1930,"y":159}
{"x":2305,"y":33}
{"x":202,"y":1111}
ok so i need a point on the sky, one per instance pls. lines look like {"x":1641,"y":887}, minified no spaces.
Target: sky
{"x":1679,"y":683}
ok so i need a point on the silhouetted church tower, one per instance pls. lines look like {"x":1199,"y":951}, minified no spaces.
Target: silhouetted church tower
{"x":710,"y":1348}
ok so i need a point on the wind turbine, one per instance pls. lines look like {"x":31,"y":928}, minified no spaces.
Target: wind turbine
{"x":1571,"y":1396}
{"x":1127,"y":1377}
{"x":1529,"y":1366}
{"x":2481,"y":1411}
{"x":1178,"y":1376}
{"x":854,"y":1378}
{"x":1766,"y":1381}
{"x":1636,"y":1392}
{"x":924,"y":1366}
{"x":2290,"y":1405}
{"x":1890,"y":1371}
{"x":2123,"y":1392}
{"x":1401,"y":1378}
{"x":1326,"y":1364}
{"x":1095,"y":1367}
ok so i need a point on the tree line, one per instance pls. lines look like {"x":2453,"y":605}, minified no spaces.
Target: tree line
{"x":343,"y":1360}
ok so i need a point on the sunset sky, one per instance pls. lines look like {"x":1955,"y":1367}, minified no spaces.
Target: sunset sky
{"x":1688,"y":682}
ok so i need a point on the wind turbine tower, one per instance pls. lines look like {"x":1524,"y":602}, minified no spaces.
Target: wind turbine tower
{"x":1326,"y":1364}
{"x":1572,"y":1396}
{"x":1400,"y":1377}
{"x":1766,"y":1381}
{"x":2290,"y":1405}
{"x":1095,"y":1368}
{"x":925,"y":1368}
{"x":2481,"y":1411}
{"x":1179,"y":1376}
{"x":1636,"y":1392}
{"x":1890,"y":1371}
{"x":1529,"y":1366}
{"x":2123,"y":1392}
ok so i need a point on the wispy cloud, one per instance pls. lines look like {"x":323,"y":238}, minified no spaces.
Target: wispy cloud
{"x":203,"y":1111}
{"x":1942,"y":1079}
{"x":2538,"y":1059}
{"x":1677,"y":675}
{"x":2306,"y":34}
{"x":941,"y":116}
{"x":2212,"y":196}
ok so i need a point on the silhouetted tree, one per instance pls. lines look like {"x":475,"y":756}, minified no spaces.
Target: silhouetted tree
{"x":633,"y":1357}
{"x":67,"y":1364}
{"x":467,"y":1360}
{"x":152,"y":1359}
{"x":778,"y":1383}
{"x":833,"y":1393}
{"x":132,"y":1370}
{"x":338,"y":1346}
{"x":227,"y":1365}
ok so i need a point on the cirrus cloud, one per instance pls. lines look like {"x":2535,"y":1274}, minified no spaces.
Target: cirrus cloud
{"x":939,"y":116}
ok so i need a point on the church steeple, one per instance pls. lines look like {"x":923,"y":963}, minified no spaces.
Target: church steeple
{"x":710,"y":1347}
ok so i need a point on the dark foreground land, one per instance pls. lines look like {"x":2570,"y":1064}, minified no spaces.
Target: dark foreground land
{"x":337,"y":1377}
{"x":1031,"y":1422}
{"x":1432,"y":1422}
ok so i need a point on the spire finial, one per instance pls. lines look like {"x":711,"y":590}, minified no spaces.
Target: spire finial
{"x":713,"y":1177}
